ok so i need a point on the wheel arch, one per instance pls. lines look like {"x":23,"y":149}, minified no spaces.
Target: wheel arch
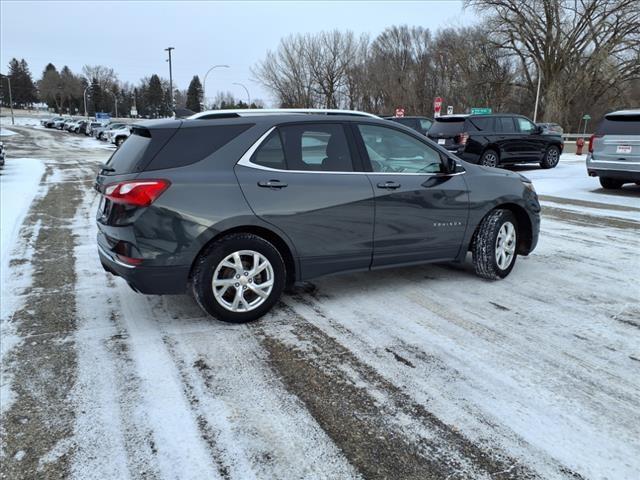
{"x":525,"y":227}
{"x":272,"y":237}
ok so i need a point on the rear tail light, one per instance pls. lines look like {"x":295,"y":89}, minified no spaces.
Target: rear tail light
{"x":139,"y":193}
{"x":462,"y":138}
{"x":592,"y":139}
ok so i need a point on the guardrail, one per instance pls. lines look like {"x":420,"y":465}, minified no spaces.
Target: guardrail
{"x":574,"y":136}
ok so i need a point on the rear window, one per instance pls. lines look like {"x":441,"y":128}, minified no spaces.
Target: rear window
{"x":447,"y":126}
{"x":131,"y":153}
{"x":620,"y":125}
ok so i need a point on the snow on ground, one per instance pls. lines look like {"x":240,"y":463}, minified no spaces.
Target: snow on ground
{"x":418,"y":372}
{"x":6,"y":133}
{"x":569,"y":180}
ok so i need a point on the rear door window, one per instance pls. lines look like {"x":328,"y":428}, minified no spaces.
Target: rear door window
{"x":505,"y":125}
{"x":130,"y":154}
{"x":271,"y":153}
{"x":620,"y":125}
{"x":316,"y":147}
{"x":425,"y":124}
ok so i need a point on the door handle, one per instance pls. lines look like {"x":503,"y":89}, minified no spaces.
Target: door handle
{"x":389,"y":185}
{"x":271,"y":184}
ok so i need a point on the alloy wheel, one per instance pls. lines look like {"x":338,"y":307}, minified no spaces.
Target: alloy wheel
{"x":490,"y":160}
{"x":552,"y":157}
{"x":243,"y":281}
{"x":505,"y":245}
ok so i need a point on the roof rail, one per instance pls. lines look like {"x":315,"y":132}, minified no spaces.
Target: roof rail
{"x":247,"y":112}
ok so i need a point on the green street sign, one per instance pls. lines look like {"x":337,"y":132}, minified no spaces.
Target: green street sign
{"x":481,"y":111}
{"x":587,"y":117}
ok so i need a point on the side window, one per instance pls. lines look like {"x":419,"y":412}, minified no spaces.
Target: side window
{"x":524,"y":125}
{"x":317,"y":147}
{"x":271,"y":153}
{"x":392,"y":151}
{"x":506,"y":125}
{"x":483,"y":124}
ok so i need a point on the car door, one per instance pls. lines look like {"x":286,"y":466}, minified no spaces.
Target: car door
{"x":507,"y":139}
{"x":531,"y":142}
{"x":302,"y":180}
{"x":420,"y":211}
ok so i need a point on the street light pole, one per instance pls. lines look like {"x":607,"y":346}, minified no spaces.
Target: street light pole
{"x":535,"y":111}
{"x":168,"y":49}
{"x":84,"y":96}
{"x":10,"y":100}
{"x":246,"y":90}
{"x":204,"y":82}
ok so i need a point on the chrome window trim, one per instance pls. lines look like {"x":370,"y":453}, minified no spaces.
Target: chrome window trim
{"x":245,"y":161}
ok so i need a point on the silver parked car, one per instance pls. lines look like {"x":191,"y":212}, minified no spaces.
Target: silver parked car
{"x":614,"y":150}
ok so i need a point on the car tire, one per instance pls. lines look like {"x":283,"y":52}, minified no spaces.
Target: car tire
{"x":551,"y":157}
{"x":226,"y":301}
{"x":610,"y":183}
{"x":490,"y":158}
{"x":495,"y":243}
{"x":119,"y":141}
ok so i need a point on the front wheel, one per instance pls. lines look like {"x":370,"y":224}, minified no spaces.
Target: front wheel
{"x":495,"y":244}
{"x":611,"y":183}
{"x":551,"y":157}
{"x":238,"y":278}
{"x":119,"y":141}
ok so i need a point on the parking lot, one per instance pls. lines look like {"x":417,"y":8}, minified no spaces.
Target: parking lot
{"x":420,"y":372}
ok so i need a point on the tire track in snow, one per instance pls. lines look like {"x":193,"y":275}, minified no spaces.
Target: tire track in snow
{"x":383,"y":432}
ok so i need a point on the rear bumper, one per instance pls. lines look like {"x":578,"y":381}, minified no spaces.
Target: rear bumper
{"x":624,"y":175}
{"x":148,"y":280}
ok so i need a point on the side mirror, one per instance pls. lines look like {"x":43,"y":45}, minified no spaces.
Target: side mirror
{"x":538,"y":130}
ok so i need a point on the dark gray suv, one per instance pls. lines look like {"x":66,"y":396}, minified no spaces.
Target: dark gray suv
{"x":234,"y":207}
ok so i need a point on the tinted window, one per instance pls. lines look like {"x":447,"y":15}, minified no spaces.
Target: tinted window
{"x":505,"y":125}
{"x":425,"y":124}
{"x":319,"y":147}
{"x":271,"y":153}
{"x":524,"y":125}
{"x":483,"y":124}
{"x":190,"y":145}
{"x":127,"y":157}
{"x":392,"y":151}
{"x":447,"y":126}
{"x":620,"y":125}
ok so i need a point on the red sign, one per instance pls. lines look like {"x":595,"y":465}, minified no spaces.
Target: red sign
{"x":399,"y":112}
{"x":437,"y":106}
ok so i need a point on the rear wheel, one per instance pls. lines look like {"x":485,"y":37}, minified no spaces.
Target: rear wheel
{"x":551,"y":157}
{"x":489,"y":158}
{"x":119,"y":141}
{"x":494,"y":247}
{"x":238,"y":278}
{"x":611,"y":183}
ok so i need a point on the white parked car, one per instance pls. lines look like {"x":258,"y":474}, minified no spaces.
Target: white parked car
{"x":117,"y":136}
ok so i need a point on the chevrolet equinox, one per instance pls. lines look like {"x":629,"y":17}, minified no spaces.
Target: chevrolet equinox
{"x":234,"y":206}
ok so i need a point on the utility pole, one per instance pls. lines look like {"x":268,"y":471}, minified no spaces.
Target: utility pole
{"x":10,"y":100}
{"x":168,"y":49}
{"x":84,"y":96}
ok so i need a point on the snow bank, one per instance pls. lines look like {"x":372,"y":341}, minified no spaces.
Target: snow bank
{"x":6,"y":133}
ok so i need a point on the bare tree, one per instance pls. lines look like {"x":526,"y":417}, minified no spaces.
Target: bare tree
{"x":580,"y":48}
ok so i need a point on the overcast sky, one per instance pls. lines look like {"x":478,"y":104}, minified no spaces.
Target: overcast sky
{"x":131,"y":36}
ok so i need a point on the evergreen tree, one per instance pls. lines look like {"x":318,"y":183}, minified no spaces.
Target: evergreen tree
{"x":50,"y":87}
{"x":96,"y":97}
{"x":194,"y":94}
{"x":154,"y":97}
{"x":23,"y":90}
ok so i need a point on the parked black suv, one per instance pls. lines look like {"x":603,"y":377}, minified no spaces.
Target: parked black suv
{"x":499,"y":139}
{"x":419,"y":124}
{"x":234,"y":208}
